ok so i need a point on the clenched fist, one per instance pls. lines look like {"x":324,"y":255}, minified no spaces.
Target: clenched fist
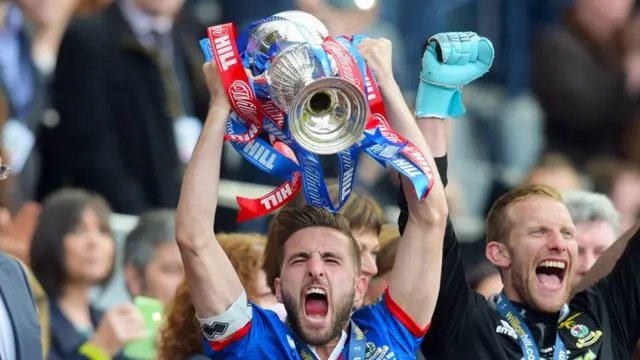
{"x":450,"y":60}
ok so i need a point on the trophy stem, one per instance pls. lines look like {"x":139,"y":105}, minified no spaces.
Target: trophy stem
{"x":321,"y":103}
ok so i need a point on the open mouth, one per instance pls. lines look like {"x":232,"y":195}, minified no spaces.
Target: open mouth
{"x":316,"y":304}
{"x":551,"y":273}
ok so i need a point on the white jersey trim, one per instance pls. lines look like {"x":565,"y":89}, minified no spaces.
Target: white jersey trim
{"x":237,"y":316}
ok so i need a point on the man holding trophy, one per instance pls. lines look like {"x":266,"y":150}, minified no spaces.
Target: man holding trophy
{"x":315,"y":95}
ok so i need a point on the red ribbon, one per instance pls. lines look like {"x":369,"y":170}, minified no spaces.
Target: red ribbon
{"x":347,"y":65}
{"x":254,"y":208}
{"x":235,"y":81}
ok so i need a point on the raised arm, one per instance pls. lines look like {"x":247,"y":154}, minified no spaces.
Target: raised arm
{"x":607,"y":261}
{"x":620,"y":290}
{"x":434,"y":103}
{"x":415,"y":278}
{"x":213,"y":283}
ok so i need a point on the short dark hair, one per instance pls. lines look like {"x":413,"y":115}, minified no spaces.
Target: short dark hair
{"x":154,"y":228}
{"x":363,"y":211}
{"x":292,"y":219}
{"x":61,"y":213}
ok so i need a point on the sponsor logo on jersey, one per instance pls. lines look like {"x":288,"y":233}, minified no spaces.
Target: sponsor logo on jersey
{"x":506,"y":329}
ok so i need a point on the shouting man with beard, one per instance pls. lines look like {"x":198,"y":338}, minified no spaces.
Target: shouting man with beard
{"x":531,"y":240}
{"x":320,"y":275}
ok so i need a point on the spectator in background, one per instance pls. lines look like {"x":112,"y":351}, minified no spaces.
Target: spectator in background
{"x":153,"y":266}
{"x":484,"y":278}
{"x":180,"y":336}
{"x":388,"y":233}
{"x":621,"y":182}
{"x":384,"y":261}
{"x":131,"y":99}
{"x":579,"y":79}
{"x":597,"y":227}
{"x":554,"y":170}
{"x":30,"y":33}
{"x":73,"y":250}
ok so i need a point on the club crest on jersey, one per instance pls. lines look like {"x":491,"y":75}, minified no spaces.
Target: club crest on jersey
{"x":580,"y":331}
{"x":372,"y":352}
{"x":589,"y":339}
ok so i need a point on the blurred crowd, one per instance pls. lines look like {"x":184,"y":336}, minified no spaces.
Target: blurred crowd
{"x":102,"y":102}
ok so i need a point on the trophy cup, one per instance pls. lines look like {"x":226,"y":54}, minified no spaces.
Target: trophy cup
{"x":287,"y":65}
{"x":326,"y":114}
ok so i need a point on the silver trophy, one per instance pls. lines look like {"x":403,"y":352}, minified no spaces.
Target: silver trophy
{"x":326,"y":114}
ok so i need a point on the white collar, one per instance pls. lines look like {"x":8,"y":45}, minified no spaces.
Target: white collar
{"x":335,"y":354}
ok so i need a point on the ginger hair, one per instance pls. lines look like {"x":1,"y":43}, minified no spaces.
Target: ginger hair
{"x":180,"y":335}
{"x":498,"y":222}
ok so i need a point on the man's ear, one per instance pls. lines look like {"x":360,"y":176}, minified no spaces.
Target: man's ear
{"x":278,"y":287}
{"x":361,"y":286}
{"x":499,"y":254}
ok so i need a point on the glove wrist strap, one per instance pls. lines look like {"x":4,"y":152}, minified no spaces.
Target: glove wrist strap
{"x":433,"y":101}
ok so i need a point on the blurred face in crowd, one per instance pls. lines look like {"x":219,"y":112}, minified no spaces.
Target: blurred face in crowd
{"x":263,"y":296}
{"x":168,"y":8}
{"x":603,"y":16}
{"x":368,"y":242}
{"x":48,"y":12}
{"x":376,"y":288}
{"x":538,"y":255}
{"x":489,"y":286}
{"x":626,"y":198}
{"x":89,"y":250}
{"x":319,"y":283}
{"x":162,"y":276}
{"x":593,"y":238}
{"x":561,"y":178}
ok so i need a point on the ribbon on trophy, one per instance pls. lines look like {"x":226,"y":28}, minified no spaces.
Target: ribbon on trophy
{"x":222,"y":49}
{"x":282,"y":156}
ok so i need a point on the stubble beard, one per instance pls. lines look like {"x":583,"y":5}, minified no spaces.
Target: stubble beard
{"x":525,"y":287}
{"x":339,"y":320}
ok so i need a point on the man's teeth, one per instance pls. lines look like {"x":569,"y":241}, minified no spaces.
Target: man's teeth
{"x":315,"y":291}
{"x":553,"y":264}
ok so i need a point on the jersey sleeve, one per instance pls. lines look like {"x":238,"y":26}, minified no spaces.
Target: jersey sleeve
{"x":386,"y":316}
{"x":455,"y":296}
{"x":233,"y":333}
{"x":621,"y":292}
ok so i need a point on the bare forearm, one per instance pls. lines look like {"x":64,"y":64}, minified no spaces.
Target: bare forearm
{"x":419,"y":256}
{"x":434,"y":131}
{"x":199,"y":192}
{"x":415,"y":280}
{"x":213,"y":283}
{"x":607,"y":261}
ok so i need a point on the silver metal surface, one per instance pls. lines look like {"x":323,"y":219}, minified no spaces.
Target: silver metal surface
{"x":283,"y":32}
{"x":305,"y":19}
{"x":327,"y":114}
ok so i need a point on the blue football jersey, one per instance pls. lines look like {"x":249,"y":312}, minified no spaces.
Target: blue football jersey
{"x":389,"y":334}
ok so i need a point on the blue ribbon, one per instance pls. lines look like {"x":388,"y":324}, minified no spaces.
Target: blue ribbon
{"x":377,"y":146}
{"x":528,"y":344}
{"x":260,"y":153}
